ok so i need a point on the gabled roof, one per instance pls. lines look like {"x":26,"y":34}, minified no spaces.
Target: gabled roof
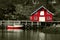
{"x":40,"y":8}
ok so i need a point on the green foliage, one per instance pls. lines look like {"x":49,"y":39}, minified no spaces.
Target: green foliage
{"x":21,"y":17}
{"x":10,"y":8}
{"x":51,"y":8}
{"x":1,"y":14}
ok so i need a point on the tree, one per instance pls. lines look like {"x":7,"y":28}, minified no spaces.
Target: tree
{"x":21,"y":17}
{"x":11,"y":8}
{"x":1,"y":14}
{"x":51,"y":8}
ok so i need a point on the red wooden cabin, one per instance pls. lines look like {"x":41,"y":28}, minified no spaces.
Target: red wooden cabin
{"x":41,"y":15}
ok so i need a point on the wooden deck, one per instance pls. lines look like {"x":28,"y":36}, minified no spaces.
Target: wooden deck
{"x":27,"y":22}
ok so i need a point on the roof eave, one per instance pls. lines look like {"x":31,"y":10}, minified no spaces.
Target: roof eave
{"x":40,"y":8}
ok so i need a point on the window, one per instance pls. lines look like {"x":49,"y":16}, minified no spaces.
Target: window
{"x":35,"y":18}
{"x":42,"y":13}
{"x":42,"y":19}
{"x":48,"y":18}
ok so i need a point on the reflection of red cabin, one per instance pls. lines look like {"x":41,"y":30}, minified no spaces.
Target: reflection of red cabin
{"x":41,"y":15}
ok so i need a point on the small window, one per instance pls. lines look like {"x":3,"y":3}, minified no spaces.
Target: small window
{"x":35,"y":18}
{"x":48,"y":18}
{"x":42,"y":13}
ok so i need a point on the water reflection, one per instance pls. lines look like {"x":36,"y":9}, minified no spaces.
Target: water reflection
{"x":28,"y":35}
{"x":41,"y":36}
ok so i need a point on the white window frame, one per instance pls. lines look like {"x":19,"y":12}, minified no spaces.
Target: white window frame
{"x":42,"y":19}
{"x":41,"y":12}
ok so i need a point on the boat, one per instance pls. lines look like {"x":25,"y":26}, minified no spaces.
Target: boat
{"x":14,"y":26}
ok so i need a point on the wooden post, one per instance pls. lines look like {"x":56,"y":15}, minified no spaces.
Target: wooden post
{"x":26,"y":23}
{"x":37,"y":24}
{"x":31,"y":23}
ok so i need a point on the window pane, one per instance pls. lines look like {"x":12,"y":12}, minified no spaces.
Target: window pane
{"x":42,"y":13}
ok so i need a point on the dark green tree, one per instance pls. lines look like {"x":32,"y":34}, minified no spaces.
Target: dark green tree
{"x":50,"y":8}
{"x":1,"y":14}
{"x":10,"y":8}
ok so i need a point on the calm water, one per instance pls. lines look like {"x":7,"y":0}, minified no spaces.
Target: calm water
{"x":28,"y":35}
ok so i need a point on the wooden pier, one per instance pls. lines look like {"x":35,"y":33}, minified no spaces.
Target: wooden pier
{"x":27,"y":22}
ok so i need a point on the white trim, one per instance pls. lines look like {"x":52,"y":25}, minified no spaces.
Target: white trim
{"x":40,"y":8}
